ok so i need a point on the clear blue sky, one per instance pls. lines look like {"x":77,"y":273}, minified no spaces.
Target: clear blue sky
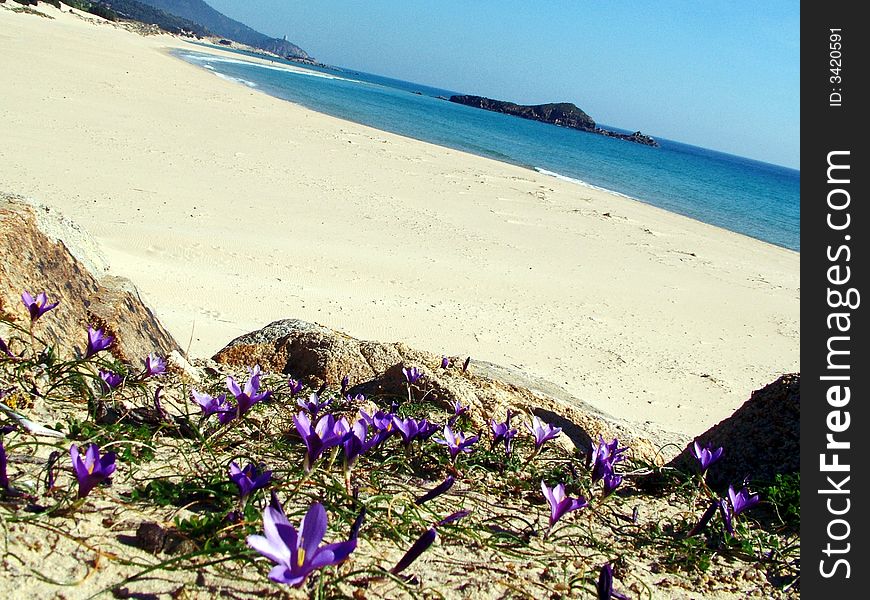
{"x":717,"y":74}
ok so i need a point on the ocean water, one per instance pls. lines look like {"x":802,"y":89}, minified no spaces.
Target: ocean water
{"x":756,"y":199}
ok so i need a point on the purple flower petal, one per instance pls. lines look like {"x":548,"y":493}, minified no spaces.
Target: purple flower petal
{"x":4,"y":348}
{"x":419,"y":547}
{"x":560,"y":503}
{"x":412,"y":374}
{"x":332,"y":554}
{"x":91,"y":470}
{"x":97,"y":341}
{"x":38,"y":306}
{"x":4,"y":477}
{"x":742,"y":500}
{"x":705,"y":518}
{"x":452,"y":518}
{"x":436,"y":491}
{"x":154,"y":365}
{"x":297,"y":555}
{"x":358,"y":523}
{"x":313,"y":528}
{"x":542,"y":432}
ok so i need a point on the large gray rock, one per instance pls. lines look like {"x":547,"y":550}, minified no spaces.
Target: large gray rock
{"x":761,"y":438}
{"x":34,"y":256}
{"x":316,"y":354}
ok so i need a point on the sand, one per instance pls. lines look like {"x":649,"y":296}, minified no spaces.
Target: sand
{"x":230,"y":209}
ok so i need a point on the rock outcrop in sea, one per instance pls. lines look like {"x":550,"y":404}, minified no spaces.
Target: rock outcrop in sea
{"x":564,"y":114}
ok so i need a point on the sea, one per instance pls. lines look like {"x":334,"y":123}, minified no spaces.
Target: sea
{"x":753,"y":198}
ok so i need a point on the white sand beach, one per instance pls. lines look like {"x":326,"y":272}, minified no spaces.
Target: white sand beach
{"x":230,"y":209}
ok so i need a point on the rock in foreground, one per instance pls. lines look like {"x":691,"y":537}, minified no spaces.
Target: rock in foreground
{"x":761,"y":439}
{"x":33,"y":258}
{"x":315,"y":355}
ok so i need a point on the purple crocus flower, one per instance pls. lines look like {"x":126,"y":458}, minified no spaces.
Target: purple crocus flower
{"x":560,"y":504}
{"x":318,"y":438}
{"x":411,"y":429}
{"x":91,"y":469}
{"x":603,"y":458}
{"x":706,"y":455}
{"x":419,"y":547}
{"x":605,"y":585}
{"x":611,"y":482}
{"x":294,"y":386}
{"x":456,"y":442}
{"x":465,"y":364}
{"x":154,"y":365}
{"x":382,"y":425}
{"x":458,"y":408}
{"x":412,"y":374}
{"x":111,"y":380}
{"x":227,"y":412}
{"x":38,"y":306}
{"x":298,"y":553}
{"x":250,"y":395}
{"x":382,"y":422}
{"x":345,"y":383}
{"x":742,"y":500}
{"x":542,"y":432}
{"x":354,"y":443}
{"x":445,"y":362}
{"x":313,"y":405}
{"x":211,"y":404}
{"x":736,"y":503}
{"x":426,"y":431}
{"x":97,"y":341}
{"x":340,"y":428}
{"x":249,"y":479}
{"x":502,"y":432}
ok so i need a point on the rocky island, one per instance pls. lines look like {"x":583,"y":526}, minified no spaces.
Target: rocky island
{"x":564,"y":114}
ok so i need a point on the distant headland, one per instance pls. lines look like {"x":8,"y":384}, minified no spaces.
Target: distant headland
{"x":564,"y":114}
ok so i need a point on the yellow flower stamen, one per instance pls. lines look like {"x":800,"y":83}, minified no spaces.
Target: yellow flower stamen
{"x":300,"y":560}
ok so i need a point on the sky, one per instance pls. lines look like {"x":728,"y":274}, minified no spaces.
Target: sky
{"x":716,"y":74}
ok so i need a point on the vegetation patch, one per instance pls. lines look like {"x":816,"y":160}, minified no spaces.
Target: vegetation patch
{"x":250,"y":484}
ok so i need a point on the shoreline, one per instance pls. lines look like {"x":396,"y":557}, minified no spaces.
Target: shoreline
{"x":230,"y":208}
{"x":669,"y":202}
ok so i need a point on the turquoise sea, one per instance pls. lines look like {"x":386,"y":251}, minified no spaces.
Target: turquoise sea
{"x":753,"y":198}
